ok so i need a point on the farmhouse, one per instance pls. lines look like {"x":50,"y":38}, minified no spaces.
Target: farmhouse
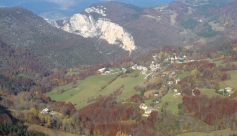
{"x":107,"y":72}
{"x":154,"y":67}
{"x":141,"y":68}
{"x":102,"y":70}
{"x":176,"y":90}
{"x":45,"y":111}
{"x":52,"y":113}
{"x":221,"y":90}
{"x":134,"y":67}
{"x":143,"y":106}
{"x":148,"y":111}
{"x":178,"y":94}
{"x":124,"y":70}
{"x":177,"y":81}
{"x":228,"y":89}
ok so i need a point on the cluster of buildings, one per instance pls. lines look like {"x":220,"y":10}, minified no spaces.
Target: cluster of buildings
{"x":136,"y":67}
{"x":226,"y":90}
{"x":143,"y":69}
{"x":177,"y":59}
{"x":173,"y":82}
{"x":51,"y":113}
{"x":154,"y":66}
{"x":146,"y":109}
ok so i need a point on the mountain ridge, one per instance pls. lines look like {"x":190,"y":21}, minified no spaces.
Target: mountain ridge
{"x":23,"y":29}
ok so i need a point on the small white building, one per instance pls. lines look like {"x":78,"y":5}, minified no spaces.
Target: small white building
{"x":221,"y":90}
{"x":143,"y":106}
{"x":102,"y":70}
{"x":148,"y":111}
{"x":45,"y":111}
{"x":176,"y":90}
{"x":107,"y":72}
{"x":141,"y":68}
{"x":178,"y":94}
{"x":134,"y":67}
{"x":177,"y":81}
{"x":154,"y":67}
{"x":124,"y":70}
{"x":228,"y":89}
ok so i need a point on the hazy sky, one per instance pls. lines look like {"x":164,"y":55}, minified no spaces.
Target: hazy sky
{"x":57,"y":9}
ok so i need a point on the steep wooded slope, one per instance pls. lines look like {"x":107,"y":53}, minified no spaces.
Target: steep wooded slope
{"x":23,"y":29}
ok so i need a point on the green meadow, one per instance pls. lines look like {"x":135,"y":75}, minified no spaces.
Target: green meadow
{"x":172,"y":101}
{"x":91,"y":87}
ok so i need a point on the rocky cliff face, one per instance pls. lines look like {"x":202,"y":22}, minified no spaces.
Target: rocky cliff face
{"x":86,"y":25}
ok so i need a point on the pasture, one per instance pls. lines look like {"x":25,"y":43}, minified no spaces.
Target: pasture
{"x":91,"y":88}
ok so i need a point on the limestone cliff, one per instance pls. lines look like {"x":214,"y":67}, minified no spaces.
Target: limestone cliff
{"x":87,"y":26}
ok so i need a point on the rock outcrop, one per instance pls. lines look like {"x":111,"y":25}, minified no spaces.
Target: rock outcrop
{"x":87,"y":26}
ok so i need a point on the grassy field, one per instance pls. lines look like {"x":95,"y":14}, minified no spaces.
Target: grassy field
{"x":220,"y":62}
{"x":90,"y":88}
{"x":71,"y":73}
{"x":232,"y":82}
{"x":172,"y":101}
{"x":209,"y":92}
{"x":216,"y":26}
{"x":225,"y":132}
{"x":184,"y":74}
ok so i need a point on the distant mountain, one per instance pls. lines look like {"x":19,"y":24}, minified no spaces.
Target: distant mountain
{"x":135,"y":29}
{"x":25,"y":30}
{"x":60,"y":9}
{"x":128,"y":26}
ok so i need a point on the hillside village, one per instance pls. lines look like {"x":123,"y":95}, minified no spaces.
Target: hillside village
{"x":154,"y":71}
{"x":170,"y":80}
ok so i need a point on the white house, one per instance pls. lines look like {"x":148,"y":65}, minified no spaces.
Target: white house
{"x":177,"y":81}
{"x":178,"y":94}
{"x":175,"y":57}
{"x":154,"y":67}
{"x":176,"y":90}
{"x":143,"y":106}
{"x":142,"y":68}
{"x":124,"y":70}
{"x":134,"y":67}
{"x":102,"y":70}
{"x":228,"y":89}
{"x":148,"y":111}
{"x":107,"y":72}
{"x":221,"y":90}
{"x":45,"y":111}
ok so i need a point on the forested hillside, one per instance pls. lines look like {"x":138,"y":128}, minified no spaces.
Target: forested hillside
{"x":53,"y":47}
